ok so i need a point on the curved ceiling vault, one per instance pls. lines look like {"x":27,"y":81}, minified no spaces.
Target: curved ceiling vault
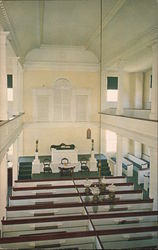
{"x":129,"y":27}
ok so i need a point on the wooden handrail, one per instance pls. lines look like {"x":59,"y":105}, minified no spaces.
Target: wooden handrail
{"x":2,"y":123}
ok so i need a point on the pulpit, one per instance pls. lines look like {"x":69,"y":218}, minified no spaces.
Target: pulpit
{"x":59,"y":152}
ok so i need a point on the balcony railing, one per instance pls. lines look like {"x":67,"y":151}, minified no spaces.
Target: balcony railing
{"x":9,"y":130}
{"x":132,"y":113}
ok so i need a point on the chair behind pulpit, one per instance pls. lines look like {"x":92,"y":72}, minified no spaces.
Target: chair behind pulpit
{"x":84,"y":166}
{"x":47,"y":167}
{"x":66,"y":168}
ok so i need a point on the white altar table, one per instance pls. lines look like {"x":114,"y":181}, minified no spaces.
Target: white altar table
{"x":64,"y":151}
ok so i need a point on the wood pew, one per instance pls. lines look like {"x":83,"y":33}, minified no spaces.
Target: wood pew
{"x":141,"y":174}
{"x":140,"y":166}
{"x":138,"y":163}
{"x":68,"y":197}
{"x":72,"y":223}
{"x":112,"y":238}
{"x":109,"y":180}
{"x":49,"y":209}
{"x":127,"y":166}
{"x":129,"y":238}
{"x":58,"y":189}
{"x":65,"y":181}
{"x":146,"y":158}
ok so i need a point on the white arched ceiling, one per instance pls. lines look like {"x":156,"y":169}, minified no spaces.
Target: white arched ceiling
{"x":128,"y":26}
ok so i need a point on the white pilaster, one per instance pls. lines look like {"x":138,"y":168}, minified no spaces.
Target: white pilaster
{"x":119,"y":156}
{"x":139,"y":90}
{"x":16,"y":93}
{"x":153,"y":188}
{"x":3,"y":77}
{"x":154,"y":90}
{"x":137,"y":149}
{"x":119,"y":109}
{"x":3,"y":187}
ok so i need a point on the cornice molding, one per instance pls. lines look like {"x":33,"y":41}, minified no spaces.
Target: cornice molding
{"x":106,"y":19}
{"x":92,"y":67}
{"x":6,"y":22}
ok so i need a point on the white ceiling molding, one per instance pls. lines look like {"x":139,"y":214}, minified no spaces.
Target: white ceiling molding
{"x":105,"y":22}
{"x":7,"y":24}
{"x":61,"y":66}
{"x":143,"y":42}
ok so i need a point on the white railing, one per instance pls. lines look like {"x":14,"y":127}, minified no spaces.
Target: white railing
{"x":135,"y":113}
{"x":9,"y":130}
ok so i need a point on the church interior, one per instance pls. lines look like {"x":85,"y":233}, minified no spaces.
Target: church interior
{"x":79,"y":124}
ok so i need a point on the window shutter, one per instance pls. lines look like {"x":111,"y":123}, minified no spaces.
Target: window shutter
{"x":9,"y":81}
{"x":151,"y":81}
{"x":112,"y":82}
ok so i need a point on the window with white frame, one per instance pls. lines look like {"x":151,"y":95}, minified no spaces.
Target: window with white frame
{"x":112,"y":89}
{"x":111,"y":141}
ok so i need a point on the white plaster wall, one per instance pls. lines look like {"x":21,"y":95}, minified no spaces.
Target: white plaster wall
{"x":48,"y":134}
{"x":46,"y":78}
{"x":52,"y":133}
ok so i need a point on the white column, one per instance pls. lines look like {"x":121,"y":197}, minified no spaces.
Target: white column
{"x":153,"y":188}
{"x":119,"y":109}
{"x":125,"y":146}
{"x":119,"y":156}
{"x":137,"y":149}
{"x":20,"y":76}
{"x":20,"y":140}
{"x":3,"y":187}
{"x":16,"y":93}
{"x":103,"y":91}
{"x":139,"y":90}
{"x":154,"y":90}
{"x":3,"y":77}
{"x":15,"y":161}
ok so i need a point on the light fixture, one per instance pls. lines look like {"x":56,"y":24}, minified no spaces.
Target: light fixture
{"x":99,"y":191}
